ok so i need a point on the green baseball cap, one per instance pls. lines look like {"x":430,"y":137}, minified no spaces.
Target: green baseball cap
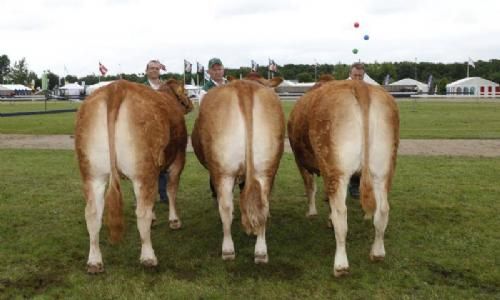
{"x":214,"y":61}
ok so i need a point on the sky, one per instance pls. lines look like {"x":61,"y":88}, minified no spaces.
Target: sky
{"x":72,"y":37}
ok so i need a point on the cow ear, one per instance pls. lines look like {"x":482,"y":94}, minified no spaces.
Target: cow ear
{"x":275,"y":81}
{"x":177,"y":88}
{"x":231,"y":78}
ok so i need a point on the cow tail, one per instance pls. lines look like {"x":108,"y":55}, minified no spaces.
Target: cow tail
{"x":114,"y":198}
{"x":253,"y":210}
{"x":366,"y":186}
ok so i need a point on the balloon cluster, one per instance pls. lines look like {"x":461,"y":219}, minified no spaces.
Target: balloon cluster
{"x":366,"y":37}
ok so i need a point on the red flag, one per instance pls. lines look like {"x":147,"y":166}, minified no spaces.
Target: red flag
{"x":102,"y":69}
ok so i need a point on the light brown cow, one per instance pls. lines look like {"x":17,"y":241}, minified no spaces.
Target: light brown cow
{"x":238,"y":136}
{"x":338,"y":129}
{"x":131,"y":130}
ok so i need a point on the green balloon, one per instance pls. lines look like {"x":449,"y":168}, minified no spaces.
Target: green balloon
{"x":355,"y":51}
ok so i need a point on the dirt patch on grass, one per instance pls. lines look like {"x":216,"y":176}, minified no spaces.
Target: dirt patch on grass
{"x":478,"y":148}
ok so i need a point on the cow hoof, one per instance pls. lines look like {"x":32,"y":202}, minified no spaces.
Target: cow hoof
{"x":311,"y":214}
{"x":149,"y":263}
{"x":175,"y":224}
{"x":261,"y":258}
{"x":228,"y":255}
{"x":376,"y":258}
{"x":341,"y":272}
{"x":95,"y":269}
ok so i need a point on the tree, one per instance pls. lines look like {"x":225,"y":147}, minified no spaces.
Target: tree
{"x":19,"y":73}
{"x":305,"y":77}
{"x":53,"y":79}
{"x":32,"y":77}
{"x":442,"y":86}
{"x":70,"y":79}
{"x":4,"y":67}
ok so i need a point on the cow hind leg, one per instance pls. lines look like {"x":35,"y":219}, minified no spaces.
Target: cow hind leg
{"x":310,"y":185}
{"x":380,"y":220}
{"x":337,"y":191}
{"x":173,"y":185}
{"x":94,"y":194}
{"x":224,"y":187}
{"x":260,"y":254}
{"x":145,"y":193}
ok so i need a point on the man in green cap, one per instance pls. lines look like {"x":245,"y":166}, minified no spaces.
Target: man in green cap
{"x":216,"y":72}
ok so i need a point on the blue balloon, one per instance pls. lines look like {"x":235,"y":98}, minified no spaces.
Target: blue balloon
{"x":366,"y":37}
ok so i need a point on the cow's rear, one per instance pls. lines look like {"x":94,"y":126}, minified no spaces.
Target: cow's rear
{"x":127,"y":129}
{"x":339,"y":129}
{"x":238,"y":137}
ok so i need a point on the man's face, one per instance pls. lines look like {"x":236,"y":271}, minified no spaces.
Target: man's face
{"x":216,"y":72}
{"x":357,"y":74}
{"x":153,"y":71}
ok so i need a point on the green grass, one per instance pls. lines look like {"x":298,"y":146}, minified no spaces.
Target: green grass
{"x":60,"y":123}
{"x":9,"y":107}
{"x":442,"y":240}
{"x":422,"y":120}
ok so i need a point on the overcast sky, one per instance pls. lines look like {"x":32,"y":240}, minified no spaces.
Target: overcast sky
{"x":125,"y":34}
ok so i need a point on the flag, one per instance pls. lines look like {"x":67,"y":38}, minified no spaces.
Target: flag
{"x":272,"y":66}
{"x":199,"y":68}
{"x":102,"y":69}
{"x":255,"y":66}
{"x":387,"y":79}
{"x":187,"y":66}
{"x":471,"y":63}
{"x":162,"y":67}
{"x":429,"y":81}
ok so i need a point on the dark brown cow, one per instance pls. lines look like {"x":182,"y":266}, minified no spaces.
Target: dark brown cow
{"x":131,"y":130}
{"x":238,"y":136}
{"x":338,"y":129}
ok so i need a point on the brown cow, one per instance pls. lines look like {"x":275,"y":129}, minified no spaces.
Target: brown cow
{"x":336,"y":130}
{"x":131,"y":130}
{"x":238,"y":136}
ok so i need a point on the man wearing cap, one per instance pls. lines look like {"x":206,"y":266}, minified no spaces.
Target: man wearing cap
{"x":216,"y":72}
{"x":153,"y":80}
{"x":357,"y":72}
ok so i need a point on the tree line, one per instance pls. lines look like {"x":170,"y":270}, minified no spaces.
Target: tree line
{"x":19,"y":73}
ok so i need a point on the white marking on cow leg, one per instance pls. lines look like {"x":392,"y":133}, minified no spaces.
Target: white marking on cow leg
{"x":224,"y":189}
{"x":380,"y":220}
{"x":173,"y":185}
{"x":310,"y":185}
{"x":261,"y":247}
{"x":144,"y":212}
{"x":339,"y":219}
{"x":94,"y":192}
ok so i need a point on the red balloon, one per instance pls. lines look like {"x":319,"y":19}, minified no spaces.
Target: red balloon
{"x":356,"y":24}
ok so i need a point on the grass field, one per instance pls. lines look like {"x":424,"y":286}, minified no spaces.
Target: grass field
{"x":423,"y":120}
{"x":442,"y":240}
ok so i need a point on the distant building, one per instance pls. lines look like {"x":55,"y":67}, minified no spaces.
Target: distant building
{"x":474,"y":86}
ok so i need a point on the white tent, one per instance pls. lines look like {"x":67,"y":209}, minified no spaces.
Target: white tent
{"x":422,"y":87}
{"x":476,"y":86}
{"x":14,"y":87}
{"x":369,"y":80}
{"x":91,"y":88}
{"x":71,"y":89}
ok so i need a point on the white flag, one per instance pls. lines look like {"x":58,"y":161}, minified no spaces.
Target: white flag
{"x":471,"y":63}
